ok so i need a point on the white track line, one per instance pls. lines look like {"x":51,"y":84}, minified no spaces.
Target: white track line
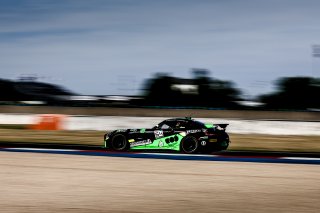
{"x":172,"y":154}
{"x":159,"y":154}
{"x":299,"y":158}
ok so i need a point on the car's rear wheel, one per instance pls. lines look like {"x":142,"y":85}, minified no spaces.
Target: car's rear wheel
{"x":223,"y":142}
{"x":189,"y":145}
{"x":119,"y":143}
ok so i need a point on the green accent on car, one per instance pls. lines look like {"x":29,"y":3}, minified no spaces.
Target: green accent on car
{"x":224,"y":144}
{"x":142,"y":130}
{"x":209,"y":126}
{"x":161,"y":143}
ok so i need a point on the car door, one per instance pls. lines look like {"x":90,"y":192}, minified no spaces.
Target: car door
{"x":157,"y":134}
{"x":140,"y":138}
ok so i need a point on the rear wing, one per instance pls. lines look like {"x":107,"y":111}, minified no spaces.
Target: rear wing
{"x":221,"y":126}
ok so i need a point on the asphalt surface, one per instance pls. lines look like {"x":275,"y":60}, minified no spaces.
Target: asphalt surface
{"x":171,"y":156}
{"x":43,"y":182}
{"x":248,"y":153}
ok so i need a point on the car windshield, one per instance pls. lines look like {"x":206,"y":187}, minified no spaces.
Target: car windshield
{"x":165,"y":126}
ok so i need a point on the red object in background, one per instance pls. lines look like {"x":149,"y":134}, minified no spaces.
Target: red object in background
{"x":49,"y":122}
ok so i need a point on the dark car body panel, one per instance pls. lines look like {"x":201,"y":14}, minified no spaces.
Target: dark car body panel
{"x":169,"y":134}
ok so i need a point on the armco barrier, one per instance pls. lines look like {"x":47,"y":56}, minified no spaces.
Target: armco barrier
{"x":49,"y":122}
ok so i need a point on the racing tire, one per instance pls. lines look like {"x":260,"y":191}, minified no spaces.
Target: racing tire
{"x":221,"y":148}
{"x":224,"y":142}
{"x":119,"y":143}
{"x":189,"y":145}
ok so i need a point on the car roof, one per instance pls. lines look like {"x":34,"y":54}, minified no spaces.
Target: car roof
{"x":180,"y":119}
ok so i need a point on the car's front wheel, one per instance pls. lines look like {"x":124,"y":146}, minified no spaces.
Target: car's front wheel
{"x":119,"y":143}
{"x":189,"y":145}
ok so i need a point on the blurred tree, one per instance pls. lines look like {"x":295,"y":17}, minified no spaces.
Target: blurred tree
{"x":158,"y":90}
{"x":294,"y":93}
{"x":210,"y":92}
{"x":200,"y":73}
{"x":7,"y":91}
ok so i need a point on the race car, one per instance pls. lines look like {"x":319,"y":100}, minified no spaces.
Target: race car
{"x":185,"y":135}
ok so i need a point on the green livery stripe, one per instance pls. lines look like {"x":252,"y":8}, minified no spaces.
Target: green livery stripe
{"x":142,"y":130}
{"x":161,"y":143}
{"x":209,"y":126}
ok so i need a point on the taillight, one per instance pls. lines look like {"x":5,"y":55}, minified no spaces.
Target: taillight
{"x":207,"y":133}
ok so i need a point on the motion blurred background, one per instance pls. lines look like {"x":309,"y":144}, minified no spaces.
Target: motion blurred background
{"x":237,"y":61}
{"x":70,"y":70}
{"x":185,"y":54}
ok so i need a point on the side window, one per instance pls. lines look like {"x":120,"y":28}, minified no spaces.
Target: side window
{"x":180,"y":125}
{"x":196,"y":125}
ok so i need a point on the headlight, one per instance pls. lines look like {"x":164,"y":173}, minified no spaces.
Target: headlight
{"x":183,"y":134}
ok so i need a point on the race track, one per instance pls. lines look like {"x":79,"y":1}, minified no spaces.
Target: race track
{"x":43,"y":182}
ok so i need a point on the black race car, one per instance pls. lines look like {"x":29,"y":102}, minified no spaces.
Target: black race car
{"x":180,"y":134}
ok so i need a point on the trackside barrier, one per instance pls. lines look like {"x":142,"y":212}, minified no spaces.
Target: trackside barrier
{"x":49,"y":122}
